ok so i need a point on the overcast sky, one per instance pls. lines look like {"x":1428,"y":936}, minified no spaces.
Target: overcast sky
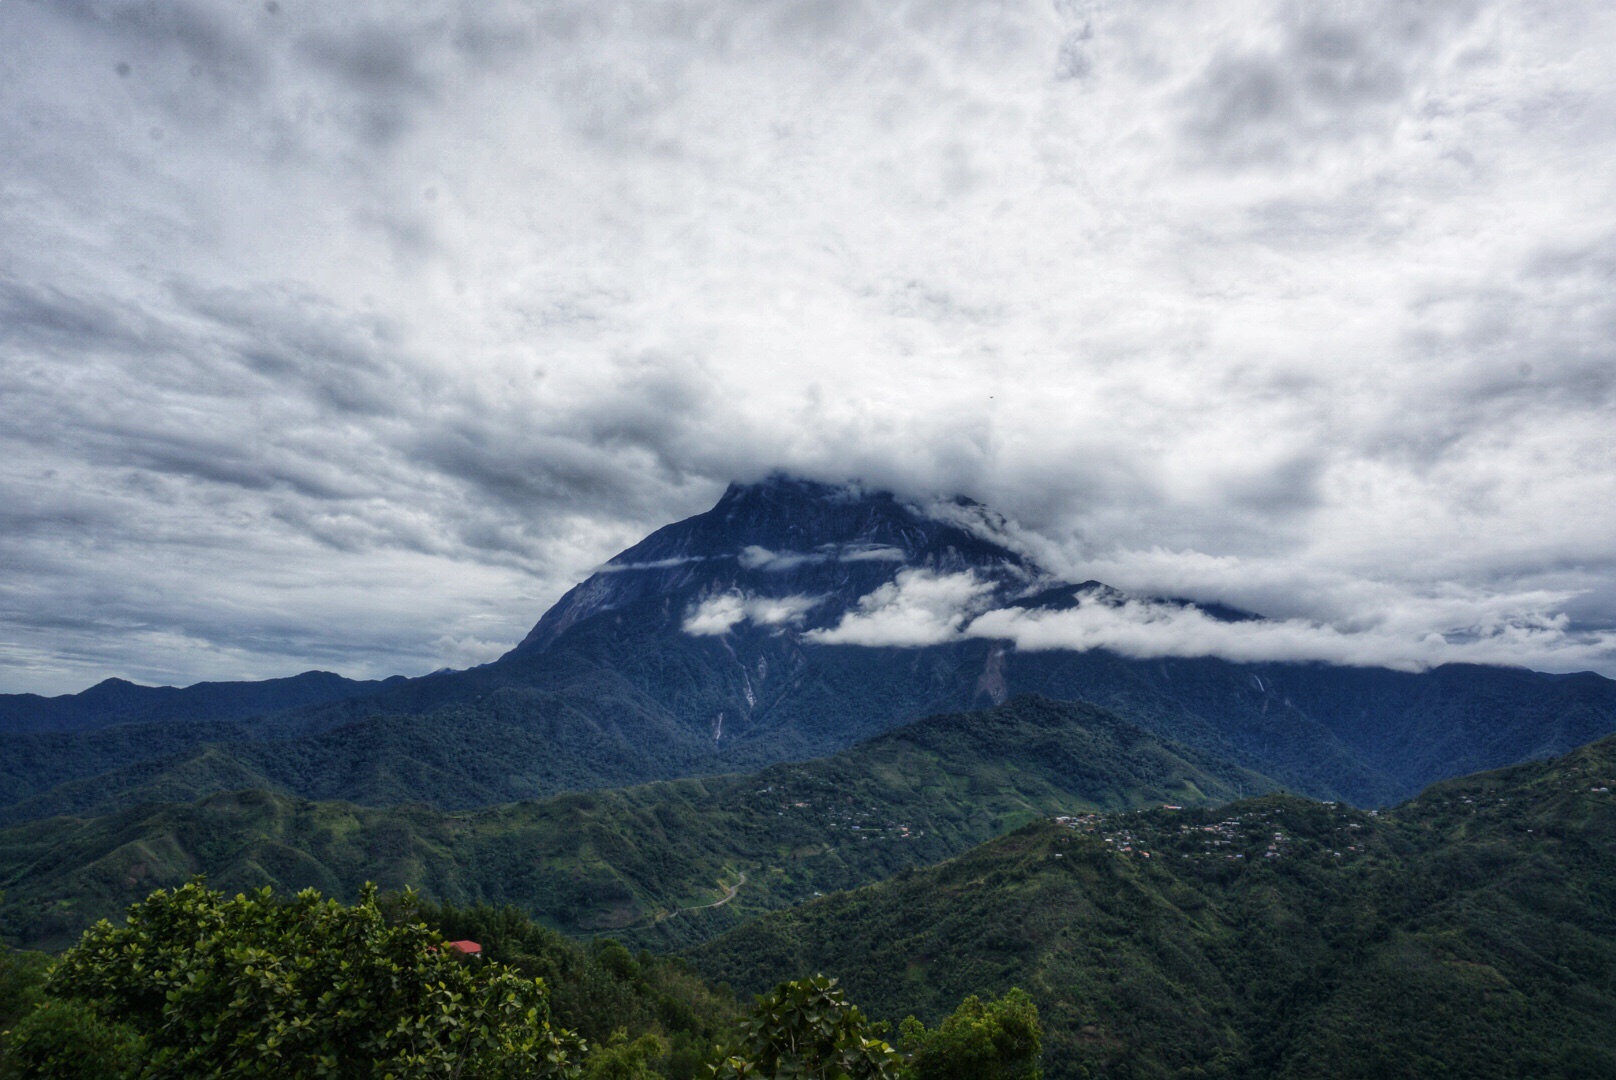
{"x":348,"y":335}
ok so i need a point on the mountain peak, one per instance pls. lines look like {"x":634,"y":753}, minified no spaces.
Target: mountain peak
{"x":785,"y":536}
{"x":783,"y":504}
{"x":781,"y":485}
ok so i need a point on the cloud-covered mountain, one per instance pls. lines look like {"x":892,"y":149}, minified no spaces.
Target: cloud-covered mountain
{"x":795,"y":618}
{"x":841,"y":564}
{"x":796,"y":555}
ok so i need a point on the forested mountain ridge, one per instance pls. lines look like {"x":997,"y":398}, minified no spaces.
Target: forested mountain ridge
{"x":118,"y":701}
{"x":625,"y":860}
{"x":1470,"y":932}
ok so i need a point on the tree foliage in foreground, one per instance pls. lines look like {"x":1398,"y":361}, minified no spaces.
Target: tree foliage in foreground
{"x":598,"y":988}
{"x":992,"y":1040}
{"x":196,"y":984}
{"x":807,"y":1030}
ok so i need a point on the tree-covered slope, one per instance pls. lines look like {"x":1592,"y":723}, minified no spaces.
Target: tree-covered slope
{"x":1471,"y":933}
{"x":514,"y":743}
{"x":619,"y":704}
{"x":645,"y":860}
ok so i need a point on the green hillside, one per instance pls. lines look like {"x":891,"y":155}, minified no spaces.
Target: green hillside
{"x":1470,"y":933}
{"x":667,"y":863}
{"x":623,"y":699}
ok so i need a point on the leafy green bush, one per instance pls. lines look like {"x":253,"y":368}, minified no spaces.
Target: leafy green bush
{"x":202,"y":985}
{"x":71,"y":1038}
{"x":598,"y":989}
{"x":620,"y":1059}
{"x":996,"y":1040}
{"x":21,"y":974}
{"x":806,"y":1030}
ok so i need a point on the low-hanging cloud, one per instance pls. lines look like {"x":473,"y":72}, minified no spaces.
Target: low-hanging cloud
{"x":756,"y":557}
{"x":918,"y":607}
{"x":871,"y":553}
{"x":718,"y":615}
{"x":654,"y":564}
{"x":921,"y":608}
{"x":1146,"y":629}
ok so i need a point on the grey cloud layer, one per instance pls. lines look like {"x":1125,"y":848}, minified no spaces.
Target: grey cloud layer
{"x":350,"y":335}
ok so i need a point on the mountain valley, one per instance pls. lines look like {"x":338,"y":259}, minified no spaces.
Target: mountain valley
{"x":1470,"y":932}
{"x":624,"y":860}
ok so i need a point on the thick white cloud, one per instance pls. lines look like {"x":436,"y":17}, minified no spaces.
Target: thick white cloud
{"x":350,"y":335}
{"x":918,"y":607}
{"x":718,"y":615}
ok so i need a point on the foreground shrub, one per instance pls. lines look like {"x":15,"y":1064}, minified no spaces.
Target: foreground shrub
{"x":996,"y":1040}
{"x":199,"y":985}
{"x":807,"y":1030}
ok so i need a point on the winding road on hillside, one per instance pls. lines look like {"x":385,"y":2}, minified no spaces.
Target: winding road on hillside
{"x":730,"y":892}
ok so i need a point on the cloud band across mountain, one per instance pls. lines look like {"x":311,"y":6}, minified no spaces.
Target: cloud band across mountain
{"x":920,"y":608}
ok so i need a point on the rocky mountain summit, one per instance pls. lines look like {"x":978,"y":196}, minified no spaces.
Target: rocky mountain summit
{"x":801,"y":552}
